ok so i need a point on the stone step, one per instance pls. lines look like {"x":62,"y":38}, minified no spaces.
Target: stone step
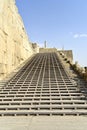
{"x":45,"y":112}
{"x":42,"y":87}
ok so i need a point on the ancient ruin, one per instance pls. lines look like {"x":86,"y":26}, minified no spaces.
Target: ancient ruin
{"x":37,"y":83}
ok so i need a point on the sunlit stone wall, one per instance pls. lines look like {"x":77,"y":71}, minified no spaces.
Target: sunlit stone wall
{"x":14,"y":43}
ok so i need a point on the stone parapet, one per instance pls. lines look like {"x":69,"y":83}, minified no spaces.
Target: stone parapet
{"x":47,"y":50}
{"x":67,"y":53}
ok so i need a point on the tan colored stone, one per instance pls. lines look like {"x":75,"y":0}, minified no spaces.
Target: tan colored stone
{"x":14,"y":44}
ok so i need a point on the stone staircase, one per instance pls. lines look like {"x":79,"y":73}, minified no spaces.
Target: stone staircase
{"x":43,"y":86}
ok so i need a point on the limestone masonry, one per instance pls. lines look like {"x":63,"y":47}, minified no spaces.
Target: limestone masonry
{"x":14,"y":43}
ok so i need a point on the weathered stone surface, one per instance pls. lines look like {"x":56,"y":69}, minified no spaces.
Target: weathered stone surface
{"x":68,"y":54}
{"x":47,"y":50}
{"x":44,"y":123}
{"x":14,"y":43}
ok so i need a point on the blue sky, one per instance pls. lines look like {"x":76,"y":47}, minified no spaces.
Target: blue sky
{"x":62,"y":23}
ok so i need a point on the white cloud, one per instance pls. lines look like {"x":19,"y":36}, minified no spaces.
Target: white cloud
{"x":84,"y":35}
{"x":76,"y":35}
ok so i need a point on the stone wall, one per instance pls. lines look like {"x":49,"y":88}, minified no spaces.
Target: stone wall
{"x":68,"y":54}
{"x":47,"y":50}
{"x":14,"y":43}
